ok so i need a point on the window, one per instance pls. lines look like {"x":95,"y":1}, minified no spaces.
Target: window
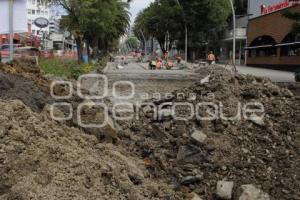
{"x":29,"y":12}
{"x":290,"y":45}
{"x":33,"y":12}
{"x":263,"y":46}
{"x":38,"y":12}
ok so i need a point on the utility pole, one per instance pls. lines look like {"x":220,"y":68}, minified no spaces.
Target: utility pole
{"x":11,"y":30}
{"x":234,"y":32}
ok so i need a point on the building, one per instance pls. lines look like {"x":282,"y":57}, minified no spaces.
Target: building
{"x":241,"y":39}
{"x":271,"y":42}
{"x":35,"y":9}
{"x":54,"y":25}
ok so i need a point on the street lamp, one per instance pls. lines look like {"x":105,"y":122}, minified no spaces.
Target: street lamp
{"x":186,"y":33}
{"x":234,"y":32}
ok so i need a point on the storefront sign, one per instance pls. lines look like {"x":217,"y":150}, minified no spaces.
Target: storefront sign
{"x":273,"y":8}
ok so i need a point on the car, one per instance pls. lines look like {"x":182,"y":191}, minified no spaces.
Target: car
{"x":4,"y":49}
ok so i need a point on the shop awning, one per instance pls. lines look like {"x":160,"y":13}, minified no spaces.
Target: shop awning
{"x":259,"y":47}
{"x":287,"y":44}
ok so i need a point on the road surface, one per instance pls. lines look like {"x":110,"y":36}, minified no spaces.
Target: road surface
{"x":274,"y":75}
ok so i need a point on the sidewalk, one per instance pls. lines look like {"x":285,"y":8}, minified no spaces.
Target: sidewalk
{"x":274,"y":75}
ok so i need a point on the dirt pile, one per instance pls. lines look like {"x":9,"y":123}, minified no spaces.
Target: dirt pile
{"x":195,"y":154}
{"x":21,"y":66}
{"x":14,"y":86}
{"x":43,"y":159}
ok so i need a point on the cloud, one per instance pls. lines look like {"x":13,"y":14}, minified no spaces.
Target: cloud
{"x":137,"y":6}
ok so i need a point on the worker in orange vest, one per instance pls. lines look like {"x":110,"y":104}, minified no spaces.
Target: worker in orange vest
{"x":211,"y":58}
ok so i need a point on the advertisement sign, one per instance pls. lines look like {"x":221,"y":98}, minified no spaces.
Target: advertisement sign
{"x":19,"y":16}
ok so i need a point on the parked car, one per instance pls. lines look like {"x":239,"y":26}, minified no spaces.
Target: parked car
{"x":4,"y":50}
{"x":26,"y":51}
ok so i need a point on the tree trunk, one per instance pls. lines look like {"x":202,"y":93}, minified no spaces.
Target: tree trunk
{"x":79,"y":49}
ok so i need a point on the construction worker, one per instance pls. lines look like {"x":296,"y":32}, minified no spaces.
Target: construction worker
{"x":211,"y":58}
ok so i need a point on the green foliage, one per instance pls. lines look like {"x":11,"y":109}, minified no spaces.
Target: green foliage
{"x":64,"y":67}
{"x":293,"y":16}
{"x":133,"y":42}
{"x":204,"y":20}
{"x":99,"y":23}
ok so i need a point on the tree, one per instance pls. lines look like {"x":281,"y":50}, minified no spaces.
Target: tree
{"x":204,"y":20}
{"x":133,"y":43}
{"x":98,"y":23}
{"x":293,"y":16}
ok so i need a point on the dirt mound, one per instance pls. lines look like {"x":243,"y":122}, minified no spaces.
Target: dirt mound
{"x":43,"y":159}
{"x":195,"y":154}
{"x":21,"y":66}
{"x":17,"y":87}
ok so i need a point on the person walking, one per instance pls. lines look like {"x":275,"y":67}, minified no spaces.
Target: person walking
{"x":211,"y":58}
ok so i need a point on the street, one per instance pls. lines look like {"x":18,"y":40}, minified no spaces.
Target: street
{"x":140,"y":71}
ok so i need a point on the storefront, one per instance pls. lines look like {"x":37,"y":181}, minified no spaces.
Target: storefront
{"x":271,"y":43}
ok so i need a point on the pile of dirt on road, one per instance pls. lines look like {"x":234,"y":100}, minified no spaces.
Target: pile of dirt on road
{"x":43,"y":159}
{"x":14,"y":86}
{"x":195,"y":154}
{"x":21,"y":66}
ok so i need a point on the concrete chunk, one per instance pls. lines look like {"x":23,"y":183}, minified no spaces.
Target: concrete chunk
{"x":250,"y":192}
{"x":224,"y":189}
{"x":199,"y":137}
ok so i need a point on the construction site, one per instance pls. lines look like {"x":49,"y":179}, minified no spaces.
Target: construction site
{"x":153,"y":155}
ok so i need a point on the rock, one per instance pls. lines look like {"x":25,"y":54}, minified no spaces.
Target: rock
{"x":195,"y":197}
{"x":250,"y":192}
{"x":224,"y":189}
{"x":257,"y":120}
{"x":199,"y":137}
{"x":167,"y":125}
{"x":191,"y":180}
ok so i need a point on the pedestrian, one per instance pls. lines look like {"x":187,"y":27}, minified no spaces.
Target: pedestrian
{"x":211,"y":58}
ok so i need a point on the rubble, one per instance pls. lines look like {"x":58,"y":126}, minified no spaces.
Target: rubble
{"x":224,"y":189}
{"x":240,"y":147}
{"x":42,"y":159}
{"x":253,"y":193}
{"x":199,"y":137}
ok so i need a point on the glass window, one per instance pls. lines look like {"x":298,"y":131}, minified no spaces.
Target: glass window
{"x":33,"y":12}
{"x":29,"y":11}
{"x":291,"y":50}
{"x":38,"y":12}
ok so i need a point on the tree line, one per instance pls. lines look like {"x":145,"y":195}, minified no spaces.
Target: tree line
{"x":167,"y":20}
{"x":97,"y":23}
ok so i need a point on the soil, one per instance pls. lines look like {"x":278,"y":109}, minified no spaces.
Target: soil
{"x":264,"y":153}
{"x":153,"y":159}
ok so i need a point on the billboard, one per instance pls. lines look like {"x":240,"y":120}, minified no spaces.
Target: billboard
{"x":19,"y":16}
{"x":263,"y":7}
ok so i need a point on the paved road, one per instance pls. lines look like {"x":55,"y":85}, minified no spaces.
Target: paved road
{"x":140,"y":71}
{"x":274,"y":75}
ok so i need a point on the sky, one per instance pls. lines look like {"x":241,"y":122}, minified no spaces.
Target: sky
{"x":136,"y":6}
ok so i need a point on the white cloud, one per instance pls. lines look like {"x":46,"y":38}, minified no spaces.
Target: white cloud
{"x":136,"y":6}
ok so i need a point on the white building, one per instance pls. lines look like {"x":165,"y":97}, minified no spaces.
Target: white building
{"x":36,"y":9}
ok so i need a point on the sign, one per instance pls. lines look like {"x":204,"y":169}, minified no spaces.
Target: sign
{"x":19,"y":17}
{"x":41,"y":22}
{"x":279,"y":6}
